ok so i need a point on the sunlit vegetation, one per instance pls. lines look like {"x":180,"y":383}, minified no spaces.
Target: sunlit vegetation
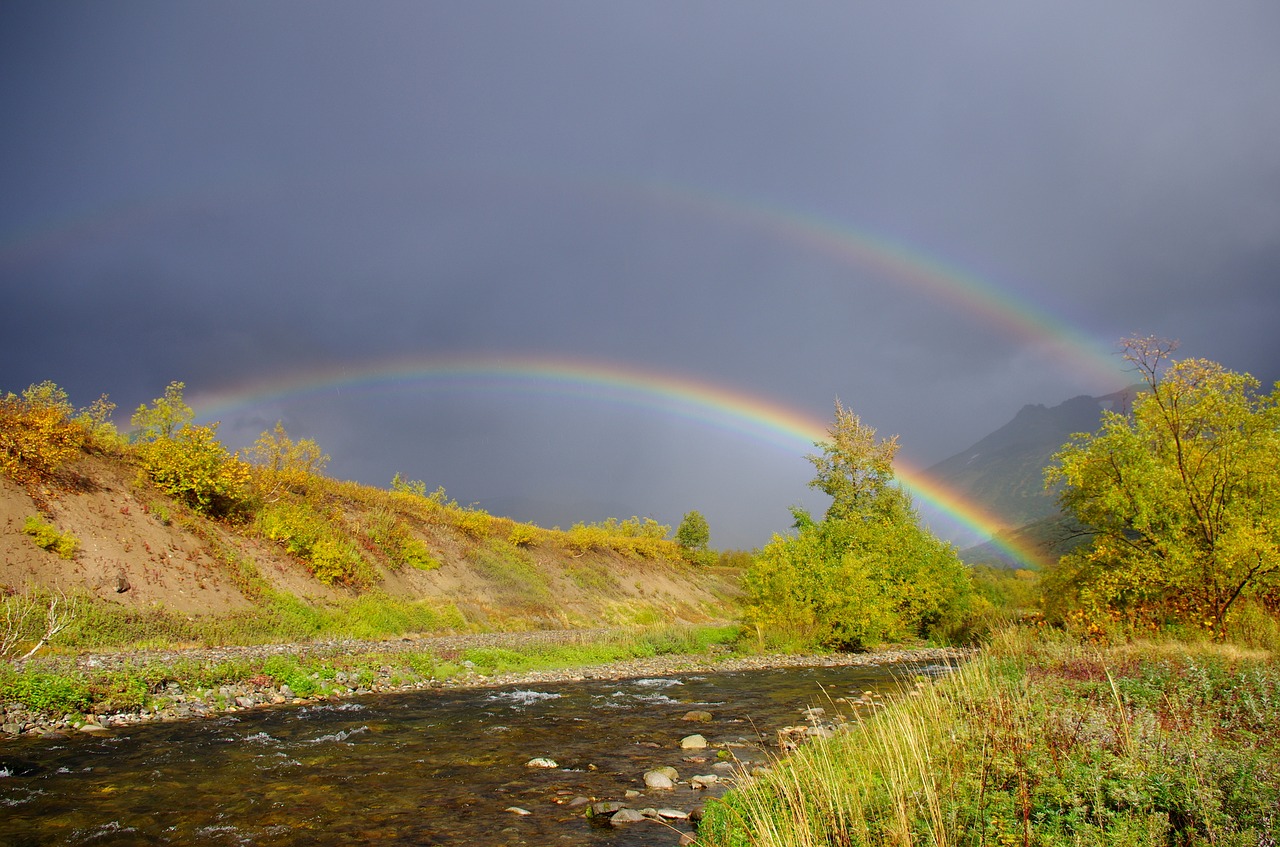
{"x":38,"y":434}
{"x":48,"y":537}
{"x":1043,"y":740}
{"x":1181,"y":500}
{"x":346,"y":535}
{"x":866,"y":573}
{"x":187,"y":461}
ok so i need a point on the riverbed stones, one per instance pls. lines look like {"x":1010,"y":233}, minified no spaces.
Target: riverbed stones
{"x":604,"y":807}
{"x":697,"y":716}
{"x":542,"y":762}
{"x":705,"y":780}
{"x":659,"y":779}
{"x":693,"y":742}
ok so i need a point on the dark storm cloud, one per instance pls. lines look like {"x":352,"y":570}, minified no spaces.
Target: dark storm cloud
{"x":233,"y":193}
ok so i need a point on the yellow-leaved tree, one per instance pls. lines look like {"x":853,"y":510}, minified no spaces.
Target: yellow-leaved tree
{"x":186,"y":460}
{"x":1181,"y":496}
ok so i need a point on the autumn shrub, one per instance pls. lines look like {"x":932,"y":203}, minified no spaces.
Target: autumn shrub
{"x":192,"y":466}
{"x":523,"y":535}
{"x":37,"y":434}
{"x":50,"y":538}
{"x":318,"y":540}
{"x":634,"y":537}
{"x":392,"y":535}
{"x":475,"y":523}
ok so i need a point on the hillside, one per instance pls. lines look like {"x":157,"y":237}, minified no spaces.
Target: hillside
{"x":143,"y":553}
{"x":1004,"y":472}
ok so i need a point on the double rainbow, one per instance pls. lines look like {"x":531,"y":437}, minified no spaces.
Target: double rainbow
{"x":678,"y":395}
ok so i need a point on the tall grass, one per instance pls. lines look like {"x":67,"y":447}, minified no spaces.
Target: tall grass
{"x":1040,"y":741}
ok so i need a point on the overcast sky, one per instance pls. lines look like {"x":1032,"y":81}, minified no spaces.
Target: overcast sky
{"x":236,"y":194}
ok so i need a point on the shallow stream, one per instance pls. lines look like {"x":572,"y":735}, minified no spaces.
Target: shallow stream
{"x":419,"y":768}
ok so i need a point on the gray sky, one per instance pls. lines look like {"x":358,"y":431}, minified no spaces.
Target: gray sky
{"x":241,"y":194}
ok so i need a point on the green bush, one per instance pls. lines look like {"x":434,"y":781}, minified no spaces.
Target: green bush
{"x":319,"y":540}
{"x":512,"y":573}
{"x":49,"y":538}
{"x":392,"y":535}
{"x":48,"y":692}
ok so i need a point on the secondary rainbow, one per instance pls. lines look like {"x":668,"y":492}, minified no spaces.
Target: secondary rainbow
{"x":673,"y":394}
{"x":900,"y":262}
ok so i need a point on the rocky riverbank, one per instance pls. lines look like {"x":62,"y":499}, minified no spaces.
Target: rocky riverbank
{"x":379,"y":667}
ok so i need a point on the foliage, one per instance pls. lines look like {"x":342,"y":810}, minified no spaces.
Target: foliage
{"x":165,"y":416}
{"x":523,"y":535}
{"x":48,"y":537}
{"x":475,"y":523}
{"x":95,"y":420}
{"x":865,"y":573}
{"x":187,"y":461}
{"x":37,"y":434}
{"x":318,"y":539}
{"x":1039,"y":742}
{"x":393,"y":536}
{"x":693,"y":533}
{"x":193,"y":467}
{"x":635,"y":537}
{"x":1182,"y":495}
{"x":418,"y":488}
{"x":282,"y":462}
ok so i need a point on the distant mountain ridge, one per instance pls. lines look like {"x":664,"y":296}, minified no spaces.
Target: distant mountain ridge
{"x":1004,"y":472}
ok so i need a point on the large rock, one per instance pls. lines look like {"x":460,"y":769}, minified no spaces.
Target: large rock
{"x":693,"y":742}
{"x":658,"y":780}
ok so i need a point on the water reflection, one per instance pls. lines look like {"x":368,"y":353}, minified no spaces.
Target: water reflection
{"x":423,"y":768}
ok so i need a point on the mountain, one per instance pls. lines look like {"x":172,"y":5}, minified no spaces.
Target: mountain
{"x":1004,"y":472}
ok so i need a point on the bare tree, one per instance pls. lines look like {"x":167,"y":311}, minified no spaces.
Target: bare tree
{"x":18,"y":610}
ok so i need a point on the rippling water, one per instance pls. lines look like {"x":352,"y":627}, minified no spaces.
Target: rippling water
{"x":421,"y":768}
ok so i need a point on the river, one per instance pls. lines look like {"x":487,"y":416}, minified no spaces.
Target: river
{"x":419,"y":768}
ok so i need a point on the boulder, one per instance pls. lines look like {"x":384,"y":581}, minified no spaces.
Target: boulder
{"x":658,"y":781}
{"x":625,"y":816}
{"x":697,"y":716}
{"x":693,"y":742}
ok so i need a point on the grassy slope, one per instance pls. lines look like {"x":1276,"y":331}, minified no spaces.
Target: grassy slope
{"x":1041,"y":741}
{"x":412,"y":564}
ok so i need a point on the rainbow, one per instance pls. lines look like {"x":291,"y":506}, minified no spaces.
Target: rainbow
{"x":1074,"y":351}
{"x":673,"y":394}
